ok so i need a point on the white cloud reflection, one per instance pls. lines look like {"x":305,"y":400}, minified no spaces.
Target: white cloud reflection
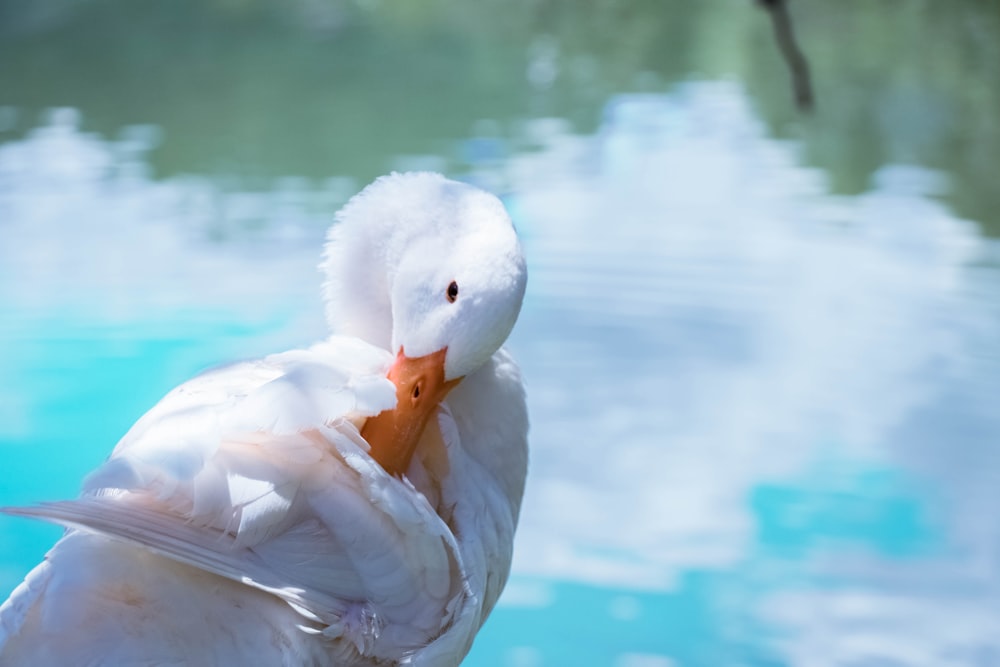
{"x":85,"y":227}
{"x":703,"y":319}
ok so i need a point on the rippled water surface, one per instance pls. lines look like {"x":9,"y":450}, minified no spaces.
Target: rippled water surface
{"x":762,"y":350}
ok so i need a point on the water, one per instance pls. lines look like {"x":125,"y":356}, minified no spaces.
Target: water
{"x":761,"y":351}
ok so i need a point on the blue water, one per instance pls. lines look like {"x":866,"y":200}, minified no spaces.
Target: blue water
{"x":764,"y":424}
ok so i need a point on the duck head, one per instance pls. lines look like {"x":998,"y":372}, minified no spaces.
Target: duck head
{"x":430,"y":269}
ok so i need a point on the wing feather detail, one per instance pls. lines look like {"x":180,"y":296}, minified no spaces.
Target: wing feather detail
{"x":257,"y":472}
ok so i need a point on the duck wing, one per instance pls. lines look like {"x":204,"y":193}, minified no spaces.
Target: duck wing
{"x":256,"y":472}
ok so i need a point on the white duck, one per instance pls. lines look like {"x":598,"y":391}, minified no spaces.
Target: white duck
{"x":244,"y":520}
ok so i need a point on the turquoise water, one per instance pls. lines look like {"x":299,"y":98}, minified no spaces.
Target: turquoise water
{"x":761,"y":351}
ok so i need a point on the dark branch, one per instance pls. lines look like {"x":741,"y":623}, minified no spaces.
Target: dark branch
{"x":781,"y":21}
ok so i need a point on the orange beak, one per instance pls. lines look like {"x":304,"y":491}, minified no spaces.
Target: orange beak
{"x":420,"y":386}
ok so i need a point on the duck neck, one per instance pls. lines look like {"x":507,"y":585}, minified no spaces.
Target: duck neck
{"x":491,"y":414}
{"x":358,"y":285}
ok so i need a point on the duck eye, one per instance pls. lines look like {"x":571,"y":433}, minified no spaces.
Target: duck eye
{"x":452,"y":292}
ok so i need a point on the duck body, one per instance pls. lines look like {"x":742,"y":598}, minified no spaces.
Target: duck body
{"x":246,"y":520}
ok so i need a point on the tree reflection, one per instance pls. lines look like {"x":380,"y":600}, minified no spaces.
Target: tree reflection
{"x":320,"y":87}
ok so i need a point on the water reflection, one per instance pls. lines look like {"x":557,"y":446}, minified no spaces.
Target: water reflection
{"x":767,"y":381}
{"x":763,"y":415}
{"x":260,"y":90}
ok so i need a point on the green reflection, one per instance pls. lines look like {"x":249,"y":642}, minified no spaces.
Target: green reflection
{"x":915,"y":82}
{"x":262,"y":89}
{"x":316,"y":88}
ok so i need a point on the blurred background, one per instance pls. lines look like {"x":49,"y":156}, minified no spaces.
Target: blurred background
{"x":762,"y":345}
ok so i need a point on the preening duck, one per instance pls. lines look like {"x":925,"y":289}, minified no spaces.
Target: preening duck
{"x":352,"y":503}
